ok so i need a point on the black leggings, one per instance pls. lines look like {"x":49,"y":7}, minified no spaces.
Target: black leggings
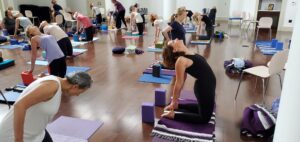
{"x":66,"y":46}
{"x":58,"y":67}
{"x":120,"y":16}
{"x":89,"y":33}
{"x":140,"y":27}
{"x":47,"y":137}
{"x":99,"y":18}
{"x":209,"y":32}
{"x":201,"y":112}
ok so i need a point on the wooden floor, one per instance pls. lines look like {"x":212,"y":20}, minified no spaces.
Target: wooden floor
{"x":116,"y":95}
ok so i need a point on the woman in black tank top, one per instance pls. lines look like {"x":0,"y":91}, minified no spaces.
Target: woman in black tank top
{"x":177,"y":55}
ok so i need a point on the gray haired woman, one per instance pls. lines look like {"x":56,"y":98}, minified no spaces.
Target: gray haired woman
{"x":37,"y":105}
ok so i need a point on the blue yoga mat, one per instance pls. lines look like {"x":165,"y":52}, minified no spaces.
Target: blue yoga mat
{"x":200,"y":42}
{"x":11,"y":46}
{"x":148,"y":78}
{"x":151,"y":49}
{"x":10,"y":96}
{"x":263,"y":43}
{"x":269,"y":52}
{"x":71,"y":69}
{"x":39,"y":62}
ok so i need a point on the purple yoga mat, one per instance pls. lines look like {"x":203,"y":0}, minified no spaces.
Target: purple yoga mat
{"x":163,"y":72}
{"x":74,"y":127}
{"x":182,"y":131}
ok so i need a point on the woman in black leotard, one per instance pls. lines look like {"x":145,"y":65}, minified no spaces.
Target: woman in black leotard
{"x":177,"y":55}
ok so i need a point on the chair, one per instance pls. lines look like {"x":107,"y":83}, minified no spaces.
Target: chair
{"x":236,"y":16}
{"x":277,"y":64}
{"x":59,"y":20}
{"x":68,"y":18}
{"x":265,"y":23}
{"x":28,"y":14}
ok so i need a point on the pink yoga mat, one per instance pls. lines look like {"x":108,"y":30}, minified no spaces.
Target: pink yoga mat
{"x":74,"y":127}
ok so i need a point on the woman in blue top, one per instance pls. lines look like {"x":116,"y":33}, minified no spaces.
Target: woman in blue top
{"x":54,"y":55}
{"x":176,"y":28}
{"x":177,"y":55}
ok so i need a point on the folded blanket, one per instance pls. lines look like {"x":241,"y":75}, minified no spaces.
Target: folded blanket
{"x":172,"y":130}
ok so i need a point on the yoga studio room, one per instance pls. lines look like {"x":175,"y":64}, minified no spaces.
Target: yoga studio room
{"x":149,"y":70}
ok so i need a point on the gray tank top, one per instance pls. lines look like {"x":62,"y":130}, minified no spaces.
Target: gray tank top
{"x":49,"y":44}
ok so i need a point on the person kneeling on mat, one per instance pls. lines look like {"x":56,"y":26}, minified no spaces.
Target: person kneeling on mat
{"x":136,"y":19}
{"x":177,"y":55}
{"x":38,"y":104}
{"x":198,"y":19}
{"x":62,"y":38}
{"x":55,"y":57}
{"x":87,"y":25}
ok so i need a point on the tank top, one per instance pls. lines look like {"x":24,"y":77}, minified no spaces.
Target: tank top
{"x":49,"y":44}
{"x":37,"y":116}
{"x":200,"y":69}
{"x":56,"y":31}
{"x":138,"y":17}
{"x":24,"y":22}
{"x":86,"y":22}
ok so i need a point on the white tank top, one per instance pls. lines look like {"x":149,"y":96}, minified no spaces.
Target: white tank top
{"x":138,"y":17}
{"x":37,"y":116}
{"x":56,"y":31}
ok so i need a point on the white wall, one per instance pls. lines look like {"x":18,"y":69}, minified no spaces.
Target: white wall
{"x":198,"y":5}
{"x":287,"y":125}
{"x":81,"y":7}
{"x":290,"y":13}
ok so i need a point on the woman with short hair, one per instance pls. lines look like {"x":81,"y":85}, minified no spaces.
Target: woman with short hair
{"x":38,"y":104}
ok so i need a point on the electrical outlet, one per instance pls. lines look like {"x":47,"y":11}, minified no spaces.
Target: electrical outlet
{"x":290,"y":21}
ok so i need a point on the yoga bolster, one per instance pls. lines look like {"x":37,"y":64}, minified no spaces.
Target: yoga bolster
{"x":6,"y":64}
{"x":118,"y":50}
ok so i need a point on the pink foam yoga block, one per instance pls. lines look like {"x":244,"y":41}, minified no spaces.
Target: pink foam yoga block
{"x":160,"y":97}
{"x":148,"y":112}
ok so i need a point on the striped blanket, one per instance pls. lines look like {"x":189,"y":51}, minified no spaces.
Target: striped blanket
{"x":171,"y":130}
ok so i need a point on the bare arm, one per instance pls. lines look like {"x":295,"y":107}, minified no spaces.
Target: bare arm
{"x":198,"y":31}
{"x":157,"y":32}
{"x":34,"y":45}
{"x":166,"y":31}
{"x":132,"y":21}
{"x":43,"y":92}
{"x":180,"y":67}
{"x":17,"y":26}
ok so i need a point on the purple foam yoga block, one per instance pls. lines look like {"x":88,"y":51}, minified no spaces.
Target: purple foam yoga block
{"x":160,"y":97}
{"x":148,"y":112}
